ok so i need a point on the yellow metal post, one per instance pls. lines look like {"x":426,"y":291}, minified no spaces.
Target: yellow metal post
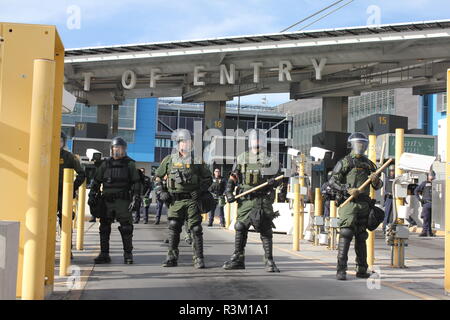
{"x":318,"y":207}
{"x":399,"y":149}
{"x":38,"y":180}
{"x":80,"y":215}
{"x":296,"y":224}
{"x":302,"y":185}
{"x":66,"y":232}
{"x":333,"y":215}
{"x":227,"y":215}
{"x":371,"y":239}
{"x":447,"y":198}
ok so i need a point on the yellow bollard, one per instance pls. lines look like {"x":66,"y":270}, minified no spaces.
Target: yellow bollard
{"x":38,"y":184}
{"x":80,"y":216}
{"x":302,"y":185}
{"x":399,"y":149}
{"x":296,"y":231}
{"x":318,"y":207}
{"x":333,"y":215}
{"x":227,"y":215}
{"x":371,"y":239}
{"x":66,"y":232}
{"x":447,"y":200}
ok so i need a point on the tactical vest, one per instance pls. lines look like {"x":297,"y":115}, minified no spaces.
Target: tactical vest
{"x":426,"y":193}
{"x":358,"y":171}
{"x":182,"y":177}
{"x":252,"y":173}
{"x":117,"y":174}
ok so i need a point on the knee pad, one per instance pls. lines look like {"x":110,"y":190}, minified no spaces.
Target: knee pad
{"x":197,"y":229}
{"x":346,"y":233}
{"x":267,"y":233}
{"x":175,"y":224}
{"x":239,"y":226}
{"x":362,"y":236}
{"x":126,"y":228}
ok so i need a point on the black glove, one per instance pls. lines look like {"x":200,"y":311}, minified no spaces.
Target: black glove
{"x":164,"y":196}
{"x":195,"y":195}
{"x":134,"y":203}
{"x":230,"y":197}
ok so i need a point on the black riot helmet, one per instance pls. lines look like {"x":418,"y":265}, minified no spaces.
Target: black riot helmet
{"x":63,"y":139}
{"x":358,"y":142}
{"x":257,"y":139}
{"x":118,"y":147}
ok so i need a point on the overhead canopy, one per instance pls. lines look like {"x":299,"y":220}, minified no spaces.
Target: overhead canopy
{"x":332,"y":62}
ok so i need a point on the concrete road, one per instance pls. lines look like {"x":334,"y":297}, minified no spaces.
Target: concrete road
{"x":307,"y":274}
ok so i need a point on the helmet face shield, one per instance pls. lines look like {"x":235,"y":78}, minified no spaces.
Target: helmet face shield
{"x":182,"y":138}
{"x":257,"y":140}
{"x":358,"y":142}
{"x":118,"y":151}
{"x":359,"y":147}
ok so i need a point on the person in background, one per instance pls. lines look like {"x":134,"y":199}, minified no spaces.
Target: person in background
{"x":146,"y":189}
{"x":388,"y":197}
{"x":217,"y":189}
{"x":423,"y":194}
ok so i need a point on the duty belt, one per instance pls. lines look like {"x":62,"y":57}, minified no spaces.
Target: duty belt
{"x":111,"y":197}
{"x":181,"y":196}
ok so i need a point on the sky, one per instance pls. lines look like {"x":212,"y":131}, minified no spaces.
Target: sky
{"x":86,"y":23}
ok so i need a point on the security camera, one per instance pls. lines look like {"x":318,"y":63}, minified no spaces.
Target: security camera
{"x":412,"y":162}
{"x":318,"y":153}
{"x":93,"y":154}
{"x":68,"y":101}
{"x":293,"y":152}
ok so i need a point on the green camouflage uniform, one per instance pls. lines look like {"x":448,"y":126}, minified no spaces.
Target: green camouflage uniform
{"x":351,"y":172}
{"x":186,"y":181}
{"x":255,"y":208}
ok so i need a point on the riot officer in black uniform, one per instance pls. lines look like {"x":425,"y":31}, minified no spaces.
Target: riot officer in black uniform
{"x":423,"y":194}
{"x":146,"y":189}
{"x":121,"y":190}
{"x":217,"y":189}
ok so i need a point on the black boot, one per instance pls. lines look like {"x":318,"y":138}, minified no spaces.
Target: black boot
{"x":237,"y":260}
{"x":146,"y":216}
{"x":174,"y":240}
{"x":267,"y":242}
{"x":126,"y":231}
{"x":345,"y":239}
{"x":361,"y":256}
{"x":197,"y":246}
{"x":105,"y":231}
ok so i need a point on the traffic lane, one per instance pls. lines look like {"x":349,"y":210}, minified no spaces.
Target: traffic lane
{"x":146,"y":279}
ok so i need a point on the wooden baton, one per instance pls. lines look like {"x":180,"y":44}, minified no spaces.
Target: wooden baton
{"x":366,"y":183}
{"x":256,"y":188}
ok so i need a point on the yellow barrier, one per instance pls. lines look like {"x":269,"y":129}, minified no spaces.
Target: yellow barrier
{"x":399,"y":149}
{"x":318,"y":207}
{"x":38,"y":180}
{"x":66,"y":232}
{"x":371,"y":239}
{"x":80,"y":216}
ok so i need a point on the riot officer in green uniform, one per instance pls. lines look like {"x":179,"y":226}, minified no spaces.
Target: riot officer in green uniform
{"x":348,"y":175}
{"x":187,"y":180}
{"x":250,"y":170}
{"x":68,"y":161}
{"x":121,"y":190}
